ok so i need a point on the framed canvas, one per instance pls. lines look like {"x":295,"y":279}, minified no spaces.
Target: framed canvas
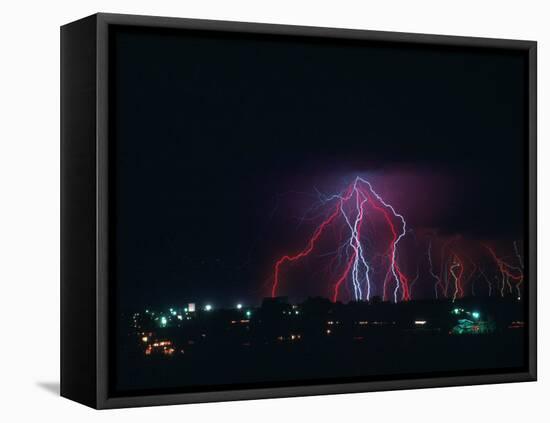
{"x":256,"y":211}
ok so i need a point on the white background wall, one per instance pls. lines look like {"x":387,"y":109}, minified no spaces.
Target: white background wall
{"x":29,"y":208}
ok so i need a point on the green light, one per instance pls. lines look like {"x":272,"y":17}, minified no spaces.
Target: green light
{"x":207,"y":307}
{"x":475,"y":315}
{"x":163,"y":321}
{"x":248,"y":313}
{"x":185,"y":309}
{"x":456,"y":311}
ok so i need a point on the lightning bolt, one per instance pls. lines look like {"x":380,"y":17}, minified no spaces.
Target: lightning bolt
{"x":457,"y":277}
{"x":437,"y":278}
{"x":368,"y":233}
{"x":310,"y":246}
{"x":508,"y":272}
{"x":362,"y":194}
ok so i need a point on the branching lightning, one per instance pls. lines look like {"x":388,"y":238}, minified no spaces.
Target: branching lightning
{"x":351,"y":207}
{"x":369,"y":255}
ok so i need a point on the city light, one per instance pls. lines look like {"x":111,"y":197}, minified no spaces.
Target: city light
{"x":203,"y":327}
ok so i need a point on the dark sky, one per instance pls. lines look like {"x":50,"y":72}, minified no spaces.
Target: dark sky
{"x":222,"y":139}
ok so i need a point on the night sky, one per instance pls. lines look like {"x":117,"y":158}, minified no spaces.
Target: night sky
{"x":222,"y":140}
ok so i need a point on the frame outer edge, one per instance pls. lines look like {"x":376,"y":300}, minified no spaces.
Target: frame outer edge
{"x":102,"y":302}
{"x":532,"y":201}
{"x":78,"y":313}
{"x":300,"y":30}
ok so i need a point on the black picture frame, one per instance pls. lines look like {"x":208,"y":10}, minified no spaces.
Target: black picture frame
{"x":85,"y":235}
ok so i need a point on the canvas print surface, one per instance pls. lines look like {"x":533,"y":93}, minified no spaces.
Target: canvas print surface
{"x":292,"y":210}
